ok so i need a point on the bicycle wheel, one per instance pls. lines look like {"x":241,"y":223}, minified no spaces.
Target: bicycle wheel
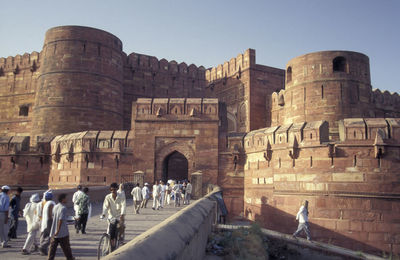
{"x":104,"y":246}
{"x":120,"y":241}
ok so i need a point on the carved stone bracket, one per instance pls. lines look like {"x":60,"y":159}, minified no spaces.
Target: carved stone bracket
{"x":70,"y":155}
{"x":332,"y":150}
{"x":57,"y":155}
{"x":159,"y":112}
{"x":379,"y":144}
{"x":294,"y":150}
{"x":268,"y":152}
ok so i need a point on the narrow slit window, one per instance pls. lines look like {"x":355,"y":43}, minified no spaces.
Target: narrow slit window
{"x":289,"y":74}
{"x":355,"y":161}
{"x":322,"y":91}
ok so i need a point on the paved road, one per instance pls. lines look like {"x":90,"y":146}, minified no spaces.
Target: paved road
{"x":85,"y":246}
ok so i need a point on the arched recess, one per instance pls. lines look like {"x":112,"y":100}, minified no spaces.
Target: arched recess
{"x":175,"y":147}
{"x":175,"y":167}
{"x":289,"y":74}
{"x":339,"y":64}
{"x":232,"y":122}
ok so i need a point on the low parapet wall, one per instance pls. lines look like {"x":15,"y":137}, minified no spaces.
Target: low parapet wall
{"x":181,"y":236}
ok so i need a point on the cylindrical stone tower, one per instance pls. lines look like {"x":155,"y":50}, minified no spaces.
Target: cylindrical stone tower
{"x":80,"y":82}
{"x":327,"y":85}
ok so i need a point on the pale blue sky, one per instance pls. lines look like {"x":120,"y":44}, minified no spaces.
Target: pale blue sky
{"x":209,"y":32}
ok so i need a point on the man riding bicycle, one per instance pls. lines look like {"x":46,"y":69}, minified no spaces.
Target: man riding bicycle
{"x":114,"y":206}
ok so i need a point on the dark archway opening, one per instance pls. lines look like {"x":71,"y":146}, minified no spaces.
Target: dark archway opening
{"x":175,"y":167}
{"x":339,"y":64}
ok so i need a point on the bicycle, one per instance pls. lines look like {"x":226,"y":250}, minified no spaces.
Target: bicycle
{"x":105,"y":247}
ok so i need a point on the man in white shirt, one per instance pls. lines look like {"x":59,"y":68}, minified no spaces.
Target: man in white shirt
{"x":47,"y":221}
{"x":115,"y":207}
{"x":75,"y":198}
{"x":188,"y":193}
{"x":302,"y":217}
{"x":145,"y":195}
{"x":137,"y":198}
{"x":156,"y":196}
{"x":163,"y":192}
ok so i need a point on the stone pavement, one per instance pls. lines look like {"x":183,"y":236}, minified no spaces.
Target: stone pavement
{"x":85,"y":246}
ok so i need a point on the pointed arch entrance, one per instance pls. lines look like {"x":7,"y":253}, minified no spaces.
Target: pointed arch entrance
{"x":174,"y":159}
{"x":175,"y":167}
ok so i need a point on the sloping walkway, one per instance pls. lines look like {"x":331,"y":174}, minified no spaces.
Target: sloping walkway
{"x":303,"y":243}
{"x":85,"y":246}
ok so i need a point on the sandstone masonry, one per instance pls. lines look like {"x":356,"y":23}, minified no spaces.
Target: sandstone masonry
{"x":84,"y":112}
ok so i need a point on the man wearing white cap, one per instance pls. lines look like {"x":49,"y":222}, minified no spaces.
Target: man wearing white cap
{"x":4,"y":206}
{"x":145,"y":195}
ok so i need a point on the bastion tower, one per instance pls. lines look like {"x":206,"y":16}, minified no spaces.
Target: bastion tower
{"x":326,"y":85}
{"x":80,"y":82}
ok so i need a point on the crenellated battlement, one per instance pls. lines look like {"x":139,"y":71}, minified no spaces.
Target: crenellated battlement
{"x":232,"y":67}
{"x":352,"y":131}
{"x":20,"y":62}
{"x":176,"y":108}
{"x":289,"y":135}
{"x":136,"y":61}
{"x":386,"y":100}
{"x":88,"y":142}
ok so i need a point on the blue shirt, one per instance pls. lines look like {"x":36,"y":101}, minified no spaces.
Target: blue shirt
{"x":15,"y":206}
{"x":4,"y":202}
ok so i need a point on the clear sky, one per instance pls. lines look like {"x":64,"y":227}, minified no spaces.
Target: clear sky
{"x":209,"y":32}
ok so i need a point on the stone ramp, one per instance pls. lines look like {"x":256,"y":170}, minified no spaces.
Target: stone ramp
{"x":85,"y":246}
{"x":329,"y":249}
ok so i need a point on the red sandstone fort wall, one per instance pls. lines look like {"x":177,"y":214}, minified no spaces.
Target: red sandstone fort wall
{"x":80,"y":82}
{"x":188,"y":126}
{"x":147,"y":77}
{"x":344,"y":160}
{"x":330,"y":85}
{"x":22,"y":165}
{"x":90,"y":158}
{"x":18,"y":79}
{"x":351,"y":185}
{"x":245,"y":87}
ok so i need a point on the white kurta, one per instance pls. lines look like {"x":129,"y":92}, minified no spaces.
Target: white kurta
{"x":302,"y":215}
{"x":31,"y":214}
{"x":45,"y":215}
{"x":75,"y":198}
{"x":137,"y":194}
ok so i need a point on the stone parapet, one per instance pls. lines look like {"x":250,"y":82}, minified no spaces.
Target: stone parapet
{"x":162,"y":109}
{"x":351,"y":184}
{"x":182,"y":236}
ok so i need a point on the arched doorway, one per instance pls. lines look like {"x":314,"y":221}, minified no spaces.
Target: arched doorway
{"x":175,"y":167}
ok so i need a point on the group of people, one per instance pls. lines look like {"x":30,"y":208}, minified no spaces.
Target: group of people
{"x":49,"y":219}
{"x":164,"y":193}
{"x":43,"y":216}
